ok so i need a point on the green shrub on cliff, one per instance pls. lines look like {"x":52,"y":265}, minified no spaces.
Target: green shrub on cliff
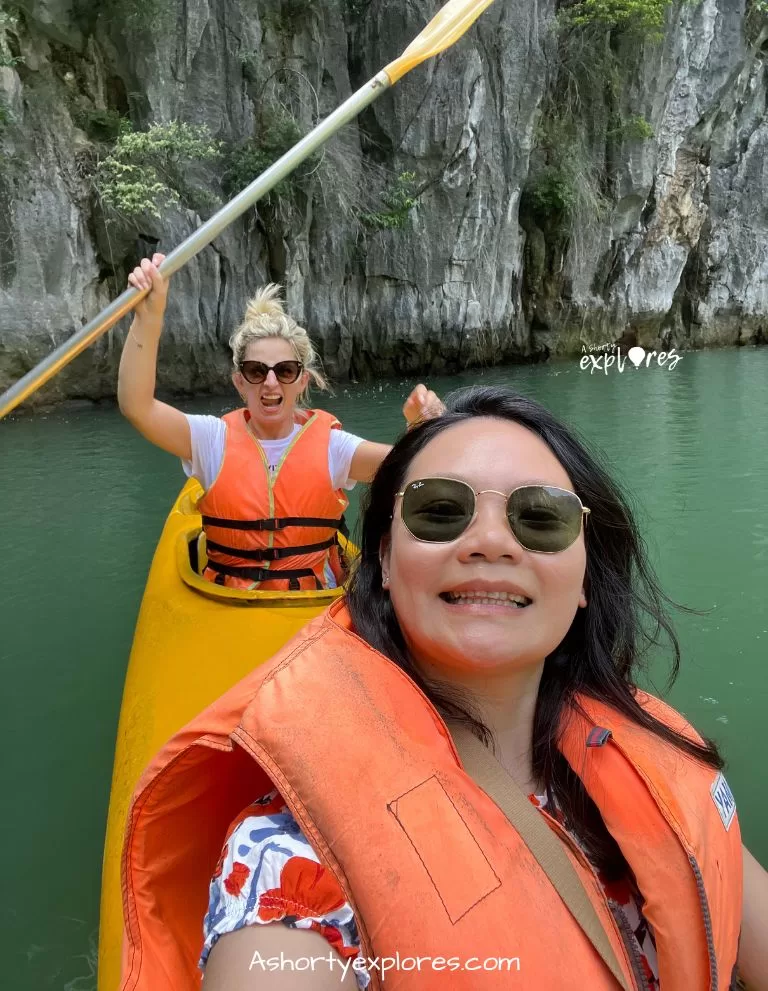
{"x":563,"y":195}
{"x":553,"y":191}
{"x":148,"y":170}
{"x":276,"y":133}
{"x":756,"y":22}
{"x":99,"y":125}
{"x":585,"y":115}
{"x":398,"y":199}
{"x":634,"y":128}
{"x":131,"y":190}
{"x":8,"y":22}
{"x":644,"y":16}
{"x":6,"y":115}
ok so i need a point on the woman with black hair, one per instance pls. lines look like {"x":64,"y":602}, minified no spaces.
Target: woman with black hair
{"x":503,"y":604}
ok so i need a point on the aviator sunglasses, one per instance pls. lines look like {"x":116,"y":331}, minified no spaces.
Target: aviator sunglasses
{"x":544,"y":519}
{"x":255,"y":372}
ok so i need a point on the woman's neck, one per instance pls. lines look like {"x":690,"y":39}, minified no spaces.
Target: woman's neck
{"x":506,"y":704}
{"x":510,"y":718}
{"x":269,"y":431}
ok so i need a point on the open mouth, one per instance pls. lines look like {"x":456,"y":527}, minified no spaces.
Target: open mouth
{"x":485,"y":598}
{"x":271,"y":402}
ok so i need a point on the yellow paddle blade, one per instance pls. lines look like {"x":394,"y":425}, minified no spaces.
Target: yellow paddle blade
{"x":444,"y":30}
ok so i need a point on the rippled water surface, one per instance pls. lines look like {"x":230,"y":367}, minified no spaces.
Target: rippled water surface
{"x":83,"y":502}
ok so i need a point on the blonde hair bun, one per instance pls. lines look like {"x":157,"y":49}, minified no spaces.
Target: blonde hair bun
{"x":266,"y":302}
{"x":265,"y":318}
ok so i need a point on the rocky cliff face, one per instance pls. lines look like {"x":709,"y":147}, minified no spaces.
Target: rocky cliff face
{"x":499,"y":204}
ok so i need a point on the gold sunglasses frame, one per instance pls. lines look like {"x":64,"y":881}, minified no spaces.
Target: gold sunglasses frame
{"x":585,"y":511}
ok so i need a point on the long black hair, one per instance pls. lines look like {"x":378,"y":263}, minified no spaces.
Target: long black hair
{"x":607,"y":643}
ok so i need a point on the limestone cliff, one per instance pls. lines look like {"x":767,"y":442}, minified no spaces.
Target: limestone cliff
{"x":512,"y":199}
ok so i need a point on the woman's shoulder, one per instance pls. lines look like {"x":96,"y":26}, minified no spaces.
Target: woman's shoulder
{"x":666,"y":714}
{"x":338,"y":434}
{"x":268,"y":872}
{"x":603,"y":714}
{"x":204,"y":423}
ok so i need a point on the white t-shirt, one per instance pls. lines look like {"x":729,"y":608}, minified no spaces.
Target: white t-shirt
{"x":209,"y":434}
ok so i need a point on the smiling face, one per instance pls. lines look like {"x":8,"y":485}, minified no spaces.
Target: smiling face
{"x":441,"y":591}
{"x":271,"y":404}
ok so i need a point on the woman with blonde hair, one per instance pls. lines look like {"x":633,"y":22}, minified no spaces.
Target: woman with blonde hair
{"x":274,"y":474}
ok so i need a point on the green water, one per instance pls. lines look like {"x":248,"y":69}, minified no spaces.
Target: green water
{"x":83,"y":502}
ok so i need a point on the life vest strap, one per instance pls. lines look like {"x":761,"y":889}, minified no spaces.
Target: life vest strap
{"x":496,"y":781}
{"x":270,"y":553}
{"x":276,"y":523}
{"x":267,"y":574}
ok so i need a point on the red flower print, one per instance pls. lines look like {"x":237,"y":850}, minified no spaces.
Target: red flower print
{"x":307,"y":890}
{"x":334,"y":937}
{"x":620,"y":890}
{"x":236,"y":878}
{"x":647,"y":972}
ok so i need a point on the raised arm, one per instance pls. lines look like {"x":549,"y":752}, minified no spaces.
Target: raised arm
{"x":158,"y":422}
{"x":753,"y":946}
{"x":422,"y":404}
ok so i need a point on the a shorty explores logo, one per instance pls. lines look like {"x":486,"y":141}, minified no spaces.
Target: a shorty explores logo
{"x":604,"y":357}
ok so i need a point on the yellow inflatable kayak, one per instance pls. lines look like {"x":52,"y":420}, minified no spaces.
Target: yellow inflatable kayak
{"x":193,"y":641}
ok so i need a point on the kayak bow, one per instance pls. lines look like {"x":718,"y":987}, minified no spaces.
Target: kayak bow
{"x":194,"y":640}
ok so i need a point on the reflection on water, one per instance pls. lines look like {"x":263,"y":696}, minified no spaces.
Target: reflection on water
{"x":84,"y":499}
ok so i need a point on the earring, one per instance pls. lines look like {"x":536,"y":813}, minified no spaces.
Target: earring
{"x":384,"y":581}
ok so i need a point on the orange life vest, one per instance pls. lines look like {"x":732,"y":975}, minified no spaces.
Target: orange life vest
{"x":255,"y":520}
{"x":429,"y":863}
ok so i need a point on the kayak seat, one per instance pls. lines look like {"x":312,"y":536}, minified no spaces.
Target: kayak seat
{"x":202,"y":553}
{"x":198,"y":557}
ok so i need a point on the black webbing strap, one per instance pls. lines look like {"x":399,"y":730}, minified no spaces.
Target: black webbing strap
{"x":270,"y":553}
{"x":267,"y":574}
{"x":276,"y":523}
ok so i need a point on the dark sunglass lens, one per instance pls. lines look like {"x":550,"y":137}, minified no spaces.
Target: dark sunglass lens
{"x":287,"y":371}
{"x":254,"y":371}
{"x":544,"y":518}
{"x":437,"y":509}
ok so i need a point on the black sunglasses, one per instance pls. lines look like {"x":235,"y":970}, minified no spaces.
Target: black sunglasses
{"x":255,"y":372}
{"x":544,"y":518}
